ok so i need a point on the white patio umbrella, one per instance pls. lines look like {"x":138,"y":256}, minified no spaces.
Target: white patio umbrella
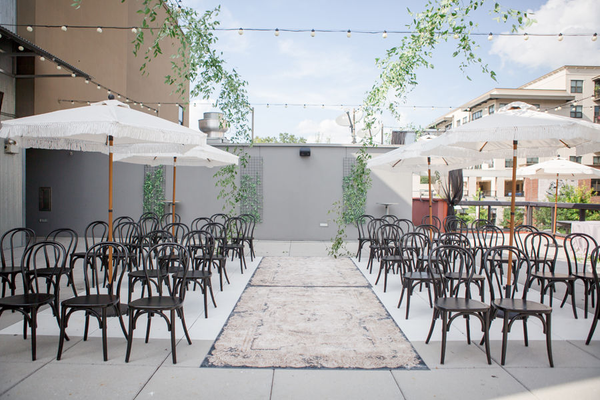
{"x":199,"y":156}
{"x":558,"y":168}
{"x":416,"y":157}
{"x":518,"y":129}
{"x":107,"y":127}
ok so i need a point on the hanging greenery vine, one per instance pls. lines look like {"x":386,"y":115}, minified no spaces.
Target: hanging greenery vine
{"x":197,"y":65}
{"x":154,"y":190}
{"x":354,"y":199}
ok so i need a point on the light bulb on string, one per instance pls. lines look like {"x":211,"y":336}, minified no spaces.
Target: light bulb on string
{"x":312,"y":33}
{"x":490,"y":36}
{"x":240,"y":31}
{"x":456,"y":36}
{"x":42,"y":58}
{"x":276,"y":31}
{"x":525,"y":36}
{"x":98,"y":87}
{"x":21,"y":48}
{"x":63,"y":28}
{"x":99,"y":30}
{"x":267,"y":105}
{"x":58,"y":66}
{"x":30,"y":28}
{"x":560,"y":37}
{"x":87,"y":81}
{"x":594,"y":37}
{"x":384,"y":35}
{"x":73,"y":74}
{"x":349,"y":33}
{"x":134,"y":30}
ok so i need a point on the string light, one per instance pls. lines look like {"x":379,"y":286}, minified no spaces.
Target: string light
{"x":63,"y":28}
{"x":456,"y":36}
{"x":42,"y":58}
{"x":349,"y":33}
{"x":240,"y":31}
{"x":276,"y":32}
{"x":134,"y":30}
{"x":58,"y":66}
{"x":21,"y":48}
{"x":594,"y":37}
{"x":312,"y":33}
{"x":99,"y":30}
{"x":560,"y":37}
{"x":490,"y":36}
{"x":30,"y":28}
{"x":384,"y":35}
{"x":525,"y":36}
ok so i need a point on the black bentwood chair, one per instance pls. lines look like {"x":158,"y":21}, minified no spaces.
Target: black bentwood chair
{"x":10,"y":256}
{"x":448,"y":305}
{"x":506,"y":305}
{"x":578,"y":249}
{"x":596,"y":286}
{"x":37,"y":292}
{"x":201,"y":246}
{"x":173,"y":260}
{"x":98,"y":300}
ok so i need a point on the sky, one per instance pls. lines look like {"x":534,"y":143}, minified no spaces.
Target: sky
{"x":336,"y":71}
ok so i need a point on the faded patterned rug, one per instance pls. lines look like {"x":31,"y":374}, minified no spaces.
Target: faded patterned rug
{"x":311,"y":312}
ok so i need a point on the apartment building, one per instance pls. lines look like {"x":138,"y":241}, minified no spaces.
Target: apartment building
{"x":571,"y":91}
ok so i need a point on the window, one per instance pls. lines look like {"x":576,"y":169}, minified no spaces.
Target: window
{"x":477,"y":115}
{"x":180,"y":115}
{"x":576,"y":159}
{"x":595,"y":187}
{"x":576,"y":86}
{"x":449,"y":126}
{"x":508,"y":163}
{"x":458,"y":122}
{"x":464,"y":120}
{"x":596,"y":160}
{"x":492,"y":109}
{"x":597,"y":114}
{"x":576,"y":111}
{"x":503,"y":104}
{"x":533,"y":160}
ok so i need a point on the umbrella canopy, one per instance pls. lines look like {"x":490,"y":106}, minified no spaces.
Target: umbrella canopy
{"x":108,"y":126}
{"x":199,"y":156}
{"x":88,"y":128}
{"x":518,"y":130}
{"x":417,"y":157}
{"x":558,"y":168}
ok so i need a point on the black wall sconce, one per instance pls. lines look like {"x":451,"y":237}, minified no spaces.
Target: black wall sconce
{"x":304,"y":151}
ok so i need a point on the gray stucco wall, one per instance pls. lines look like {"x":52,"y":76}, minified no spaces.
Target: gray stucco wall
{"x":11,"y":165}
{"x":298,"y":191}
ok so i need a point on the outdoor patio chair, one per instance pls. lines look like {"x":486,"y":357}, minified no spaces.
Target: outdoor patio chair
{"x":217,"y":231}
{"x":521,"y":231}
{"x":504,"y":302}
{"x":160,"y":299}
{"x":432,"y":231}
{"x":486,"y":237}
{"x":388,"y":237}
{"x":452,"y":223}
{"x":37,"y":290}
{"x":201,"y":247}
{"x":199,"y":223}
{"x":99,"y":301}
{"x":542,"y":250}
{"x":69,"y":236}
{"x":362,"y":223}
{"x":249,"y":233}
{"x":138,"y":274}
{"x":149,"y":222}
{"x":129,"y":234}
{"x":414,"y":249}
{"x":12,"y":246}
{"x":234,"y":233}
{"x":435,"y":221}
{"x":389,"y":218}
{"x":578,"y":249}
{"x":405,"y":224}
{"x":220,"y":218}
{"x":178,"y":229}
{"x":169,"y":219}
{"x":374,"y":246}
{"x":595,"y":254}
{"x":459,"y":262}
{"x":96,"y":232}
{"x":124,"y":218}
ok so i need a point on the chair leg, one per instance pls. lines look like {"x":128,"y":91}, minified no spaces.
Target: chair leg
{"x":183,"y":323}
{"x":571,"y":288}
{"x":63,"y":327}
{"x":525,"y":335}
{"x":129,"y":336}
{"x":173,"y":342}
{"x":504,"y":338}
{"x":104,"y":335}
{"x":549,"y":339}
{"x":444,"y":334}
{"x":431,"y":328}
{"x":486,"y":335}
{"x":33,"y":324}
{"x":593,"y":327}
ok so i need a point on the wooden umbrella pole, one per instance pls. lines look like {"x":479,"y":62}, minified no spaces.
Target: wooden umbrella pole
{"x":430,"y":199}
{"x":174,"y":187}
{"x":110,"y":205}
{"x":512,"y":219}
{"x":555,"y":207}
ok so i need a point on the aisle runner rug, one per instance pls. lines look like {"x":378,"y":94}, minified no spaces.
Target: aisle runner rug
{"x":311,"y":312}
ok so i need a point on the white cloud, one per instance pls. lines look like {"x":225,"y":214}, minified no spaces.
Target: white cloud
{"x":556,"y":16}
{"x":324,"y":131}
